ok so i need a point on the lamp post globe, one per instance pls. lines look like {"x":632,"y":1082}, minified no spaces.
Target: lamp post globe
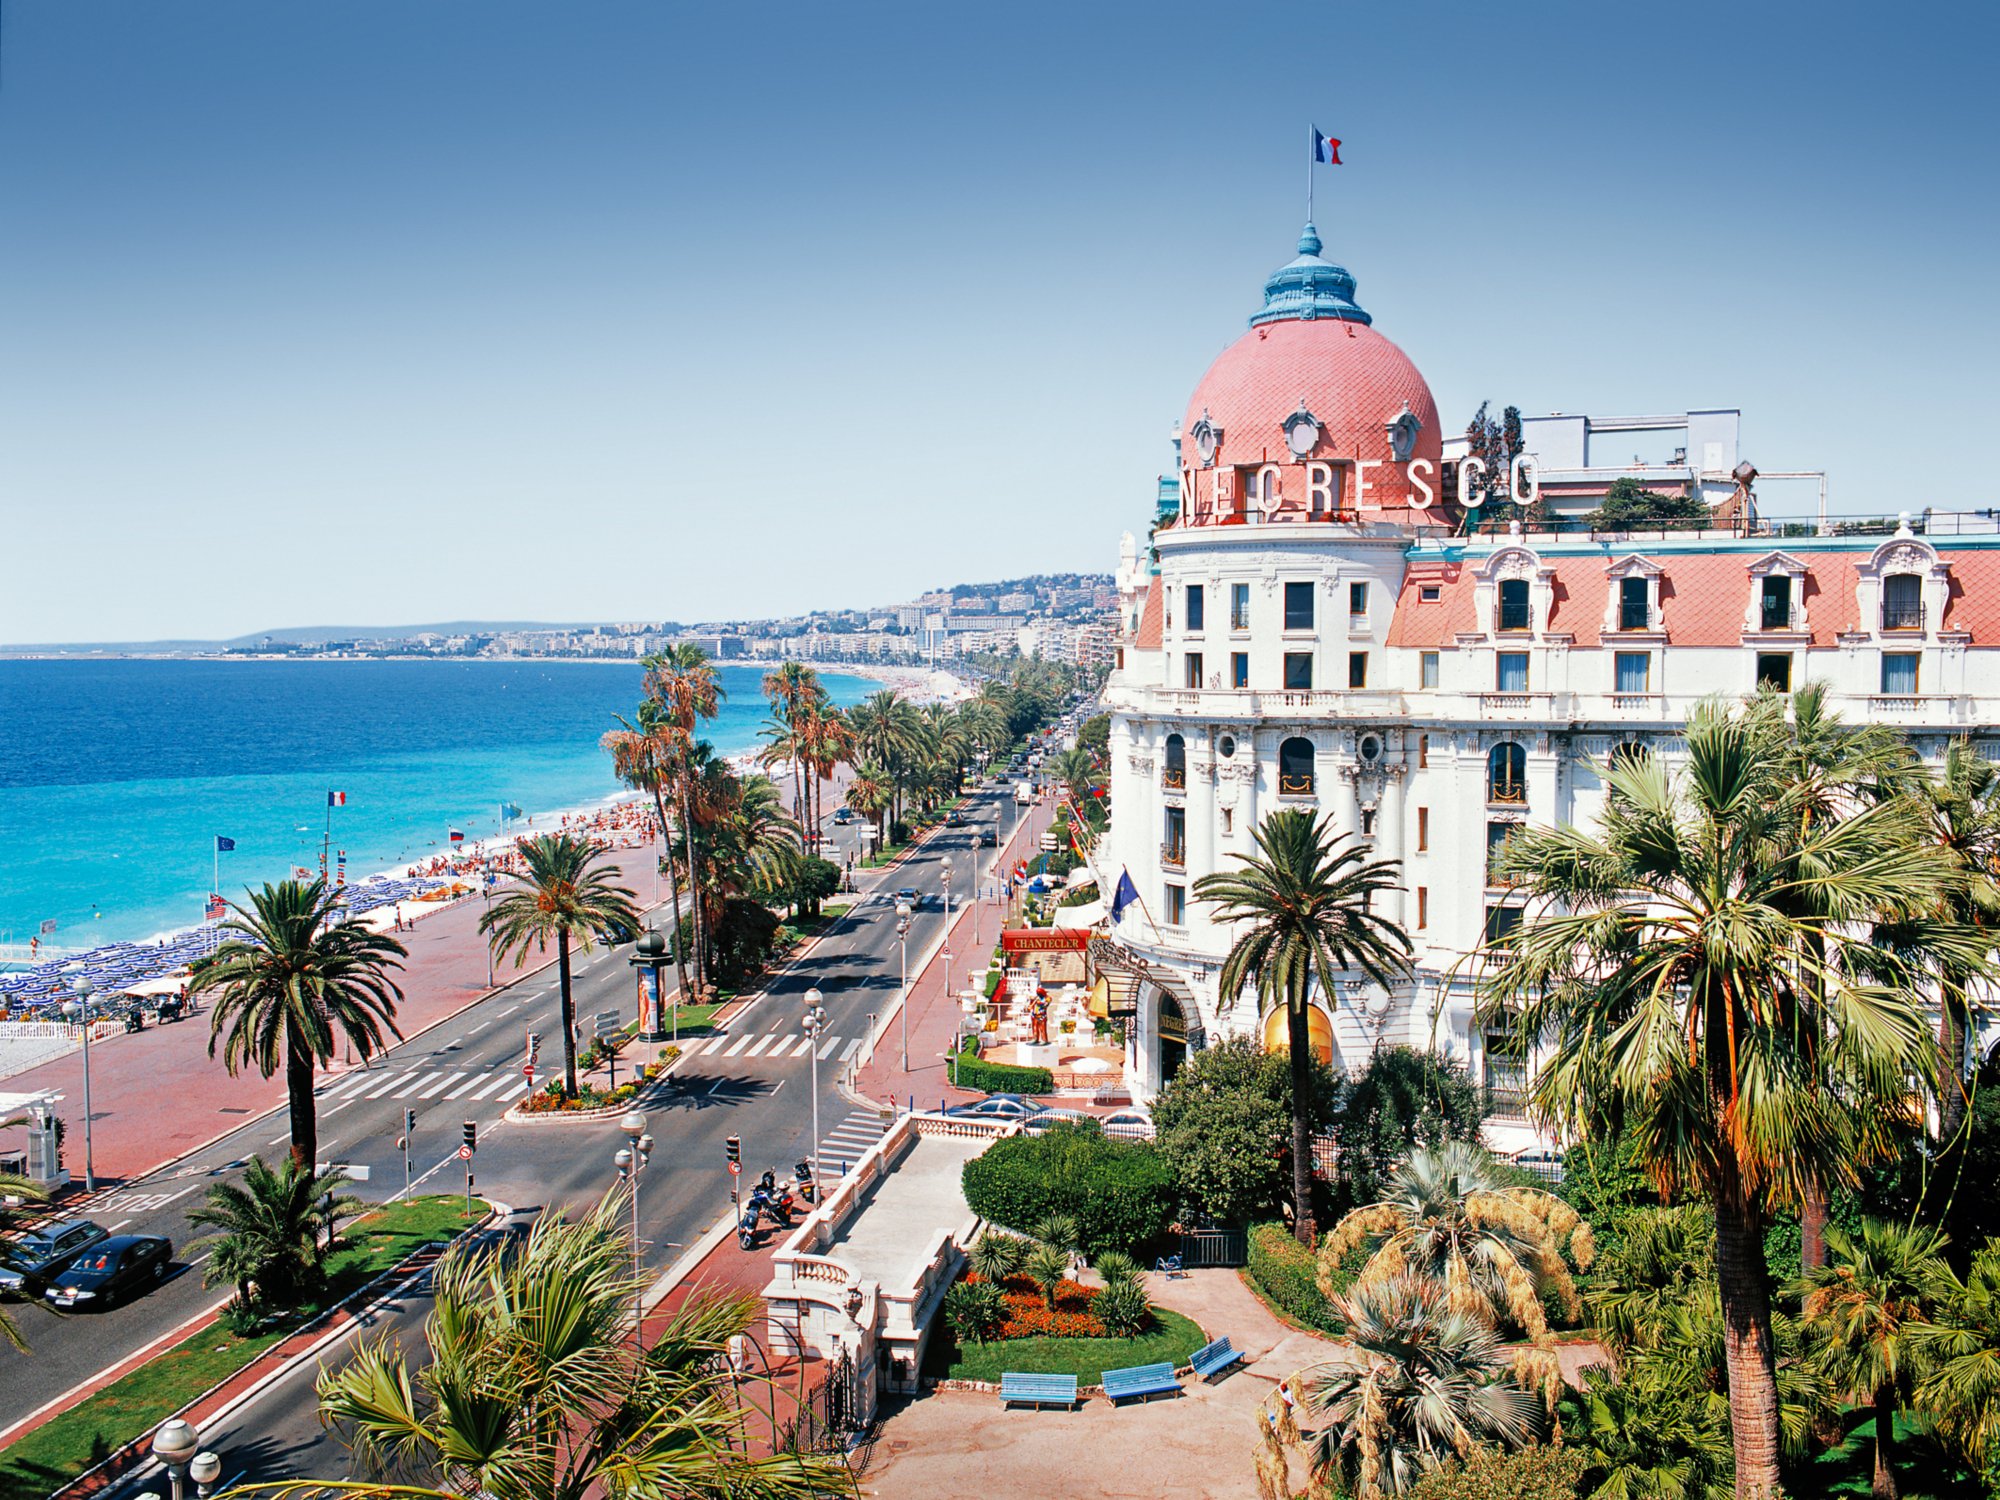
{"x":174,"y":1444}
{"x":633,"y":1124}
{"x":204,"y":1470}
{"x":622,"y":1160}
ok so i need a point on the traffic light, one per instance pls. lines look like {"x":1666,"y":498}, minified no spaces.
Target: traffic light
{"x":735,"y":1144}
{"x":471,"y":1136}
{"x":409,"y":1122}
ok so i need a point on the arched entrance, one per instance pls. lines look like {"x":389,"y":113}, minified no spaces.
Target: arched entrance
{"x":1173,"y":1038}
{"x":1319,"y":1030}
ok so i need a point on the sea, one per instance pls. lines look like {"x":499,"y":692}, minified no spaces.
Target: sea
{"x":117,"y":775}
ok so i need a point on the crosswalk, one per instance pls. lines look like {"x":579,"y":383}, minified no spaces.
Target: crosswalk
{"x":498,"y":1083}
{"x":773,"y":1045}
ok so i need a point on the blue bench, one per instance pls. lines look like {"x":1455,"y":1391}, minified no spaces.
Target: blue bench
{"x":1213,"y":1359}
{"x":1140,"y":1381}
{"x":1038,"y":1390}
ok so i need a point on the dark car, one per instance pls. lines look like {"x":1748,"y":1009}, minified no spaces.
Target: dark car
{"x":122,"y":1266}
{"x":988,"y":838}
{"x":953,"y":820}
{"x":31,"y":1260}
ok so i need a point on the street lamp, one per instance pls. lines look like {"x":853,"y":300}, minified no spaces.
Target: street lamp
{"x":944,"y":877}
{"x":204,"y":1471}
{"x":903,"y":941}
{"x":631,"y":1161}
{"x":79,"y":1010}
{"x":174,"y":1445}
{"x":815,"y":1022}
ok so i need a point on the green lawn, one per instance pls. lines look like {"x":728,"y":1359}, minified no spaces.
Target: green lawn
{"x":64,"y":1446}
{"x":1924,"y":1469}
{"x":694,"y":1019}
{"x":1173,"y":1339}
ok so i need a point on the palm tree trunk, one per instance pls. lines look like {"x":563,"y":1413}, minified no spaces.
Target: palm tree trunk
{"x":1742,"y":1278}
{"x":1883,"y":1485}
{"x":1812,"y":1224}
{"x":299,"y":1100}
{"x":673,"y":881}
{"x":694,"y":892}
{"x":1300,"y":1040}
{"x":1951,"y":1062}
{"x":568,"y":1012}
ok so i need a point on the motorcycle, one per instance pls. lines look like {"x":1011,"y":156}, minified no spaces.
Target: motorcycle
{"x":802,"y":1177}
{"x":766,"y":1201}
{"x":134,"y":1021}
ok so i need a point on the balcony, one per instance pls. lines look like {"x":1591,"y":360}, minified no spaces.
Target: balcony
{"x":1507,"y":793}
{"x":1902,"y":617}
{"x":1173,"y":780}
{"x":1173,"y":856}
{"x":1296,"y":786}
{"x":1636,"y":702}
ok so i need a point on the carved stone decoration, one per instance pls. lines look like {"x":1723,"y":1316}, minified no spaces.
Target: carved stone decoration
{"x":1142,"y":765}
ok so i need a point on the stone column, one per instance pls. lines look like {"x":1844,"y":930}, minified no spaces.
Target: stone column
{"x":1391,"y":835}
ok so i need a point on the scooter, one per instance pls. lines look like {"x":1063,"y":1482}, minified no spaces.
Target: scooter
{"x":755,"y":1208}
{"x":802,"y":1178}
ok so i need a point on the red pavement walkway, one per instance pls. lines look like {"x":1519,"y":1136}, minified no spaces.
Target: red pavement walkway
{"x":157,"y":1095}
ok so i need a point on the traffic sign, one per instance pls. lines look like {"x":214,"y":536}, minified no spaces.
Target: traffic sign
{"x":735,"y":1167}
{"x":529,"y":1070}
{"x":465,"y":1153}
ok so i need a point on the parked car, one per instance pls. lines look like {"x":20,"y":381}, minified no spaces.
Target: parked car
{"x":122,"y":1266}
{"x":1048,"y":1118}
{"x":30,"y":1261}
{"x":1131,"y":1124}
{"x":999,"y":1107}
{"x":1545,"y":1162}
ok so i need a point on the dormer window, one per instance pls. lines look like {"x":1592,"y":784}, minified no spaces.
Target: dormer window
{"x":1902,"y":602}
{"x":1514,"y":611}
{"x":1775,"y":603}
{"x":1634,"y":603}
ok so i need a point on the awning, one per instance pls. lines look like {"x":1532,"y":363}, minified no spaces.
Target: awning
{"x":1089,"y":914}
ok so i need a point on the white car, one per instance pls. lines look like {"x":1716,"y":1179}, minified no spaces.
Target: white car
{"x":1131,"y":1124}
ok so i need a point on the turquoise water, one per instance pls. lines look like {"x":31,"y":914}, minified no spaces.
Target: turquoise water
{"x":116,"y":776}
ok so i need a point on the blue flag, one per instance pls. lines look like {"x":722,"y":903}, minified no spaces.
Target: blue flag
{"x":510,"y":810}
{"x":223,"y":845}
{"x":1124,"y":896}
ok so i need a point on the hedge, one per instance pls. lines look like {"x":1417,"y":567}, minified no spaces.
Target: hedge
{"x":1286,"y":1272}
{"x":1121,"y":1194}
{"x":969,"y":1072}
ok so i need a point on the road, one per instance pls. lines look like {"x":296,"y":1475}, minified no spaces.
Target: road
{"x":755,"y":1081}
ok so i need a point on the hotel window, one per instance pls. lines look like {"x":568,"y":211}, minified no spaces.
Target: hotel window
{"x":1298,"y":671}
{"x":1239,"y":669}
{"x":1507,"y":773}
{"x":1502,"y":922}
{"x":1497,"y":835}
{"x":1176,"y":905}
{"x":1173,"y":847}
{"x":1239,"y":606}
{"x":1423,"y":907}
{"x":1510,"y":672}
{"x":1295,"y":768}
{"x":1776,"y":608}
{"x":1899,"y":673}
{"x":1298,"y":606}
{"x":1514,"y":604}
{"x":1902,"y":602}
{"x":1423,"y":829}
{"x":1191,"y":669}
{"x":1429,"y":593}
{"x":1634,"y":611}
{"x":1630,"y":671}
{"x":1423,"y":752}
{"x":1196,"y":606}
{"x":1357,"y":669}
{"x":1774,"y":671}
{"x":1427,"y":667}
{"x":1357,"y":598}
{"x":1173,"y":773}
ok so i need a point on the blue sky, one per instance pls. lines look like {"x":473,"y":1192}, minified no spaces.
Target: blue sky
{"x":408,"y":310}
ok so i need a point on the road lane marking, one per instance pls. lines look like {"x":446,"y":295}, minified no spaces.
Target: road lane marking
{"x":416,"y":1082}
{"x":520,"y":1087}
{"x":741,"y":1043}
{"x":831,"y":1043}
{"x":438,"y":1087}
{"x":389,"y":1083}
{"x":852,"y":1048}
{"x":491,"y":1086}
{"x":762,"y":1042}
{"x":471,"y":1083}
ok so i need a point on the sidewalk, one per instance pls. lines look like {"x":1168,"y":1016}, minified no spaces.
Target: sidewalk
{"x":137,"y":1124}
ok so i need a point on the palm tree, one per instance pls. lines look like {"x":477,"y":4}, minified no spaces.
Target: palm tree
{"x":1077,"y":770}
{"x":763,"y":844}
{"x":888,"y":732}
{"x":295,"y":977}
{"x":682,"y":683}
{"x":533,"y":1388}
{"x":1429,"y":1383}
{"x":788,"y":689}
{"x":869,"y":793}
{"x":1492,"y":1251}
{"x":645,"y":755}
{"x":1683,"y":952}
{"x":1859,"y":1310}
{"x":267,"y":1240}
{"x":1649,"y":1431}
{"x":1306,"y":896}
{"x":1959,"y":1349}
{"x":565,"y":892}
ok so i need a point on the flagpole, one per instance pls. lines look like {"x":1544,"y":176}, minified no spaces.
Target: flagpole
{"x":1312,"y":156}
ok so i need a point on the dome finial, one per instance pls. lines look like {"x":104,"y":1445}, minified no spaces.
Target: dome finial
{"x":1309,"y":240}
{"x":1309,"y":287}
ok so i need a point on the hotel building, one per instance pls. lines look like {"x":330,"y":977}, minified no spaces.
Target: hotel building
{"x":1317,"y":626}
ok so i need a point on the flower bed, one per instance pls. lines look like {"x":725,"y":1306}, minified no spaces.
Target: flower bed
{"x":1030,"y":1316}
{"x":549,"y":1099}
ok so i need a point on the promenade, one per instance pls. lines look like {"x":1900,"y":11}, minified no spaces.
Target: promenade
{"x":157,"y":1094}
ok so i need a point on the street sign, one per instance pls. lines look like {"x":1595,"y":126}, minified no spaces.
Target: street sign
{"x":465,"y":1153}
{"x":735,"y":1167}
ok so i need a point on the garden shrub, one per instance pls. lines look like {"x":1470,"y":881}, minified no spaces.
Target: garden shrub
{"x":968,"y":1072}
{"x":975,"y":1310}
{"x":1123,"y":1309}
{"x":1287,"y":1273}
{"x":1121,"y":1194}
{"x":1403,"y":1099}
{"x":1536,"y":1472}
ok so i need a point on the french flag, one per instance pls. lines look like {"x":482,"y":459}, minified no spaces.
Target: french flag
{"x":1326,"y":148}
{"x":336,"y":799}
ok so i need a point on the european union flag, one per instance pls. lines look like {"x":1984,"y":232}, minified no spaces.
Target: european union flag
{"x":1124,"y":896}
{"x":223,"y":845}
{"x":510,"y":810}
